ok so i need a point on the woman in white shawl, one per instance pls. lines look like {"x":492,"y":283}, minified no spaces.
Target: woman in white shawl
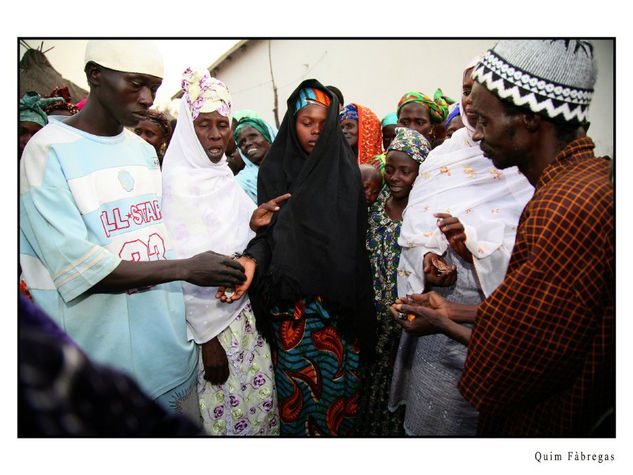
{"x":457,"y":234}
{"x":205,"y":208}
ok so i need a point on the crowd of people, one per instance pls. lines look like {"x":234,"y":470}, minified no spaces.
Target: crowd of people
{"x":447,"y":270}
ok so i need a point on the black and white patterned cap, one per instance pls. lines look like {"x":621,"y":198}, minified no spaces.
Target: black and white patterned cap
{"x":550,"y":77}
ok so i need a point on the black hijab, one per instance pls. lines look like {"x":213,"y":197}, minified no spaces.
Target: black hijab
{"x":315,"y":244}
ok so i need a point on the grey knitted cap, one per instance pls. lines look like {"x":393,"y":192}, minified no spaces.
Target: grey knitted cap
{"x":550,"y":77}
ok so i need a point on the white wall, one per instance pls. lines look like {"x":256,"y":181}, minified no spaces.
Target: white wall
{"x":377,"y":72}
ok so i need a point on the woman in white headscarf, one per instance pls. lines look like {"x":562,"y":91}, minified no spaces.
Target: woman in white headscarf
{"x":205,"y":208}
{"x":457,"y":234}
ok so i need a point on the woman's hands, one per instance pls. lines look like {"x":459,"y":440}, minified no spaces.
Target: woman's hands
{"x":454,"y":231}
{"x":436,"y":272}
{"x":231,"y":294}
{"x":430,"y":313}
{"x":264,"y":213}
{"x":425,"y":314}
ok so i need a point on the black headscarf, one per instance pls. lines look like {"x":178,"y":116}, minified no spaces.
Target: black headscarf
{"x":315,"y":244}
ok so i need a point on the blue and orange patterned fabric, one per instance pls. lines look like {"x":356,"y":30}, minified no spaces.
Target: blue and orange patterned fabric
{"x":316,"y":372}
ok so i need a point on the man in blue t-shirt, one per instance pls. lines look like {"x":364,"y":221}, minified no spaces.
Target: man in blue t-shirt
{"x":94,"y":251}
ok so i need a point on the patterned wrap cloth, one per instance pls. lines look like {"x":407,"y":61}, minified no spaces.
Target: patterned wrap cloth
{"x":316,"y":372}
{"x":437,"y":107}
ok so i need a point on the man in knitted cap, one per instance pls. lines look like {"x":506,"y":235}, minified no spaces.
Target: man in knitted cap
{"x":94,"y":249}
{"x":541,"y":358}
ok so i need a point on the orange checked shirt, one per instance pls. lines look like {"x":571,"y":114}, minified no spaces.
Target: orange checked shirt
{"x":541,"y":359}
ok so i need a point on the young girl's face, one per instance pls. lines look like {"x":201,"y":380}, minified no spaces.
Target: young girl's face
{"x":309,"y":124}
{"x":400,"y":173}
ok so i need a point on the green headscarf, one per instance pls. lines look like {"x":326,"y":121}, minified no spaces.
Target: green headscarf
{"x":437,"y":107}
{"x":255,"y":122}
{"x":32,"y":108}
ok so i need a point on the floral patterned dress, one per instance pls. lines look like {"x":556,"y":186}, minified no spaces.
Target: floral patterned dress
{"x":246,"y":404}
{"x":384,"y":253}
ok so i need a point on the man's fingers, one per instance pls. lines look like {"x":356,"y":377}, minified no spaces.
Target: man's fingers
{"x":232,"y":278}
{"x":233,"y":263}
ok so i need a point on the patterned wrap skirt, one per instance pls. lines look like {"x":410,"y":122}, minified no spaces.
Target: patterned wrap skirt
{"x":316,"y":372}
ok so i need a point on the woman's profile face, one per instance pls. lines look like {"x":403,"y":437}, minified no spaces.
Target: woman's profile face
{"x":309,"y":124}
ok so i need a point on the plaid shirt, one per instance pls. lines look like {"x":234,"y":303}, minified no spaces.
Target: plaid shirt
{"x":541,"y":359}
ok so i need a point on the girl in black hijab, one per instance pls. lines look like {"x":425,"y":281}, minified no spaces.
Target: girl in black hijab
{"x":312,"y":291}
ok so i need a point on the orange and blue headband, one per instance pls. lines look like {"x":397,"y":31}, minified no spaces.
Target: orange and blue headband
{"x":310,"y":96}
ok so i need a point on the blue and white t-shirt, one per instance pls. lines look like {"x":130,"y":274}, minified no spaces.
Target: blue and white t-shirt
{"x":86,"y":203}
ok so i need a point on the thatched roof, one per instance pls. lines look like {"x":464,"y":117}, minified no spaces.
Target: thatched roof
{"x":37,"y":74}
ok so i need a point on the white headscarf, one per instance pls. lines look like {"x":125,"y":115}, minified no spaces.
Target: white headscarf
{"x":204,"y":209}
{"x":457,"y":179}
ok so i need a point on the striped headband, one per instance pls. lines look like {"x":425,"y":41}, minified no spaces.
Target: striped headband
{"x":309,"y":96}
